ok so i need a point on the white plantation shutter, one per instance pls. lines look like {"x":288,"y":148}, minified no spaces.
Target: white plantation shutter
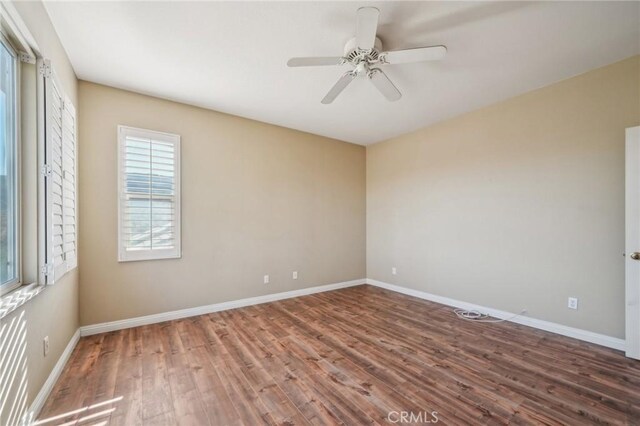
{"x":69,"y":184}
{"x":60,"y":181}
{"x":149,"y":194}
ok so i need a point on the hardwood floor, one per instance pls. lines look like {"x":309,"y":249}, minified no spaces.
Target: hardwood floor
{"x":349,"y":356}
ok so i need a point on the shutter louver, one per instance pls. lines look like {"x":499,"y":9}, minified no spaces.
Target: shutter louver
{"x":149,"y":206}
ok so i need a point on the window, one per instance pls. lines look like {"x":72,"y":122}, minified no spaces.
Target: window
{"x":9,"y":158}
{"x":149,"y":194}
{"x":60,"y":180}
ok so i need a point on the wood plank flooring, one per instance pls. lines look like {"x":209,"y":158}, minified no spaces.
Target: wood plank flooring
{"x":361,"y":355}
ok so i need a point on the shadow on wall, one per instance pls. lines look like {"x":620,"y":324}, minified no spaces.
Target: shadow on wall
{"x":13,"y":370}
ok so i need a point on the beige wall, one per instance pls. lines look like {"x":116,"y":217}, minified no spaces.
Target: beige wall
{"x":54,"y":312}
{"x":256,"y":199}
{"x":515,"y":206}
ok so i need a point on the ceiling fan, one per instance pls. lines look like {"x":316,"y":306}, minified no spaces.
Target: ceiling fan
{"x":364,"y":53}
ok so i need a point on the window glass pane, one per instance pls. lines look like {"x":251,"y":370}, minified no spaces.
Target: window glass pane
{"x":149,"y":185}
{"x":8,"y":169}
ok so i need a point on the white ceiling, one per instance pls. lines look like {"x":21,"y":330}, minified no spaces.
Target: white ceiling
{"x":231,"y":56}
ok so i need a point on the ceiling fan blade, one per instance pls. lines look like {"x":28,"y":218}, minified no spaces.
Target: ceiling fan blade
{"x":314,"y":61}
{"x":339,"y":87}
{"x":384,"y":85}
{"x":431,"y":53}
{"x":366,"y":27}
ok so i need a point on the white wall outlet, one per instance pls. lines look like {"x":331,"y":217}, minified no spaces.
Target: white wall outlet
{"x":394,"y":271}
{"x":295,"y":275}
{"x":45,"y":344}
{"x":572,"y":303}
{"x":266,"y":279}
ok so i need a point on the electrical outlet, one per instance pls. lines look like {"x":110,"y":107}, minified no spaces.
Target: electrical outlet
{"x":45,"y":343}
{"x":266,"y":279}
{"x":394,"y":271}
{"x":572,"y":303}
{"x":295,"y":275}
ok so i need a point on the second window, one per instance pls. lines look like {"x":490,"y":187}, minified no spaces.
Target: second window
{"x":149,"y":194}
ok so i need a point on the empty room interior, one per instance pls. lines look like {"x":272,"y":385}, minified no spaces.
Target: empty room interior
{"x":319,"y":212}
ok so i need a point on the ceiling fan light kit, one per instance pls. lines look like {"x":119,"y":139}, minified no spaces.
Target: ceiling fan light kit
{"x":365,"y":55}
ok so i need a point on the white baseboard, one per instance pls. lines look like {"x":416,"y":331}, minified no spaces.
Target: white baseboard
{"x":47,"y":387}
{"x":576,"y":333}
{"x":88,"y":330}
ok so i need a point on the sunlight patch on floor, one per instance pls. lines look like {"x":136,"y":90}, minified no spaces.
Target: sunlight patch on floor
{"x":84,"y":415}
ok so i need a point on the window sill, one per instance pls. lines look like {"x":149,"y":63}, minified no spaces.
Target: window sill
{"x":18,"y":297}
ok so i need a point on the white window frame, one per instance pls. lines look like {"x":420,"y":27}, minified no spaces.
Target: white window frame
{"x":151,"y":254}
{"x":17,"y":170}
{"x":16,"y":33}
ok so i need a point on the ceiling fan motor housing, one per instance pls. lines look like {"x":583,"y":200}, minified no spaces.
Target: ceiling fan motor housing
{"x":355,"y":55}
